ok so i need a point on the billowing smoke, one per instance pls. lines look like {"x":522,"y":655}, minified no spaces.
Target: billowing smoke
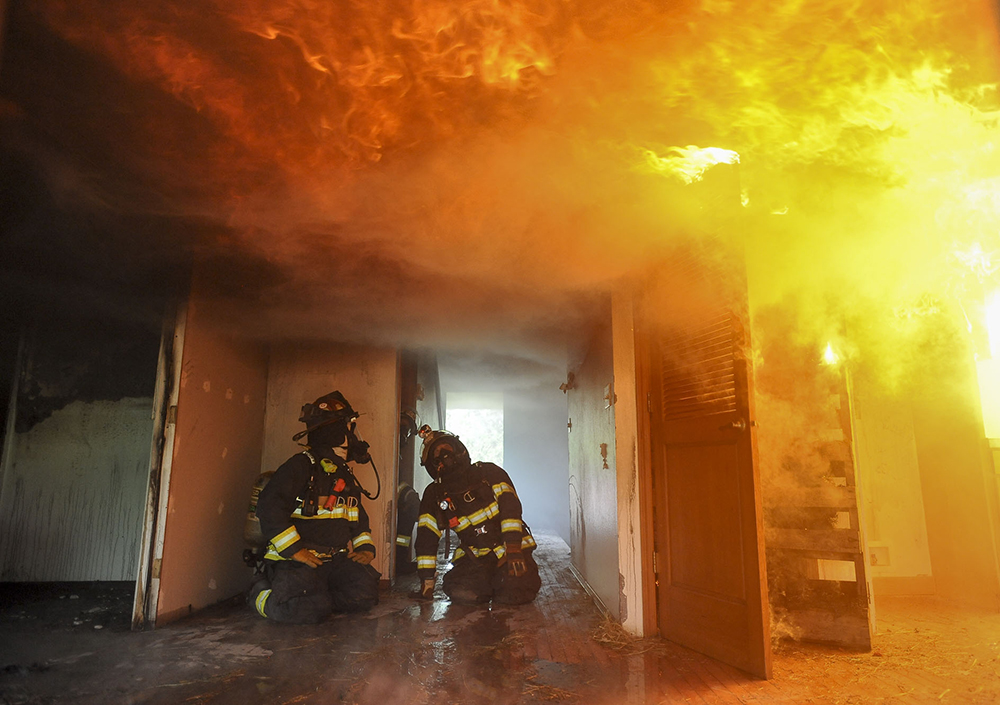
{"x":472,"y":173}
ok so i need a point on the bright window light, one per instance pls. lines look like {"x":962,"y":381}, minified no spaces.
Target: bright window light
{"x":477,"y":419}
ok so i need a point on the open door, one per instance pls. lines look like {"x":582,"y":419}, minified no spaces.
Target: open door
{"x":168,"y":375}
{"x":711,"y":588}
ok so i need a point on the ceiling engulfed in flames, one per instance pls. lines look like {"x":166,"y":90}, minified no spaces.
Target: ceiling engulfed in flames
{"x":434,"y":172}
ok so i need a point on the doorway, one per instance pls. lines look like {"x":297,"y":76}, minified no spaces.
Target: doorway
{"x":76,"y":460}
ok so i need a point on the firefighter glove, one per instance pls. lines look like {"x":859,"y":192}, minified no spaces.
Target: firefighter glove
{"x":362,"y":557}
{"x":309,"y":558}
{"x":515,"y":562}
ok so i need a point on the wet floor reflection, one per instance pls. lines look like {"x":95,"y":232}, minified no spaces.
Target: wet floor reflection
{"x":405,"y":650}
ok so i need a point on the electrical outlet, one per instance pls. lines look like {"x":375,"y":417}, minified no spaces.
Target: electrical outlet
{"x":878,"y":555}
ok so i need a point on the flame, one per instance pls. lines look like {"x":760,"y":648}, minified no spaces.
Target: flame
{"x":690,"y":163}
{"x":829,"y":356}
{"x":530,"y":137}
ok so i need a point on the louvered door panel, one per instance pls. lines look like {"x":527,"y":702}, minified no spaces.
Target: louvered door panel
{"x":698,"y":372}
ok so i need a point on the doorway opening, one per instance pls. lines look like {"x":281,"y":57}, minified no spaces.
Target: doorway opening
{"x":477,"y":418}
{"x":75,"y":466}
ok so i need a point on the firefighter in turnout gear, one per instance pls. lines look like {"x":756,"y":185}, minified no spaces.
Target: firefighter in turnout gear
{"x":478,"y":503}
{"x":320,"y":546}
{"x":407,"y":513}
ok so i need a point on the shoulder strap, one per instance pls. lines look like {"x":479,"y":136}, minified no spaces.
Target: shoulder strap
{"x":310,"y":503}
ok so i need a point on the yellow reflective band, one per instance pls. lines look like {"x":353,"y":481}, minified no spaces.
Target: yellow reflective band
{"x":500,"y":550}
{"x":477,"y":517}
{"x":362,"y":539}
{"x":510,"y":525}
{"x":424,"y":562}
{"x":459,"y":553}
{"x":429,"y":522}
{"x":483,"y":514}
{"x":338,"y":512}
{"x":285,"y":539}
{"x":527,"y":541}
{"x":403,"y":540}
{"x":262,"y":600}
{"x":501,"y":487}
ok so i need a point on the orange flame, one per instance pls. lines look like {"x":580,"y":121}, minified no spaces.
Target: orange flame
{"x":503,"y":128}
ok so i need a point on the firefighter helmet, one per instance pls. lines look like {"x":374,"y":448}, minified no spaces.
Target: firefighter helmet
{"x":329,"y":409}
{"x":442,"y":452}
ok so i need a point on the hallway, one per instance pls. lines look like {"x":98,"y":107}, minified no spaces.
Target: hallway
{"x":555,"y":650}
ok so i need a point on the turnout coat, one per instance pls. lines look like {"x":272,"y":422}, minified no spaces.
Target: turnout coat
{"x":485,"y":515}
{"x":314,"y":502}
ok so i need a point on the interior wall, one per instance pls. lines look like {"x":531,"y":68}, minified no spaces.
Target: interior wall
{"x":430,"y":411}
{"x":956,"y":477}
{"x":368,"y":378}
{"x":73,"y":500}
{"x":77,"y":462}
{"x":624,"y":400}
{"x":536,"y":456}
{"x":592,"y":469}
{"x":889,"y":475}
{"x":217,"y":447}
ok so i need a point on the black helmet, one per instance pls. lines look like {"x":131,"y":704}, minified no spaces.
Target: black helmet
{"x":328,"y":409}
{"x":442,"y":452}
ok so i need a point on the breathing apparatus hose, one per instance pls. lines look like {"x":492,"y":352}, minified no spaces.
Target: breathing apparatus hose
{"x":378,"y":480}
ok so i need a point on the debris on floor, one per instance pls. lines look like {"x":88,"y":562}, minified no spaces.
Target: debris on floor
{"x":559,"y":649}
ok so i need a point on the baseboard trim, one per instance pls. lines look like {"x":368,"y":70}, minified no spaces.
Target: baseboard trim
{"x":903,"y":585}
{"x":590,"y":591}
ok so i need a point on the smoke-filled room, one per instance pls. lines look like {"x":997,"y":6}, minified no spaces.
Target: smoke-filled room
{"x":475,"y":352}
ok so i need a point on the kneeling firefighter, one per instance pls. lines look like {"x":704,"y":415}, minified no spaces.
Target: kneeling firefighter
{"x":478,"y":502}
{"x":319,"y":546}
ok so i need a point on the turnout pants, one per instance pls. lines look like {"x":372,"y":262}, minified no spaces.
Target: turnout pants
{"x":298,"y":594}
{"x":474,"y":579}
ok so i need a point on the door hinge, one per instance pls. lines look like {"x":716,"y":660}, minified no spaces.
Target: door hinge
{"x":649,"y":403}
{"x":655,"y":569}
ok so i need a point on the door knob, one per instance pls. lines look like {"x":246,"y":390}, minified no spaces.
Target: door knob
{"x":737,"y":425}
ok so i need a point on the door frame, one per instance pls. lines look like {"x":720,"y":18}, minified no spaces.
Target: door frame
{"x":645,"y":461}
{"x":161,"y":453}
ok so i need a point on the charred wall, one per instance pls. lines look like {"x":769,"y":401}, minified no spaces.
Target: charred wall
{"x":592,"y":467}
{"x":812,"y":525}
{"x":75,"y":472}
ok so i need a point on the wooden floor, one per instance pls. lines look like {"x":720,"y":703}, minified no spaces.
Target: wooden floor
{"x":925,"y":651}
{"x":557,"y":649}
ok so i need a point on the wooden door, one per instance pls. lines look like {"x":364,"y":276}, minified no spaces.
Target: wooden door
{"x":707,"y":519}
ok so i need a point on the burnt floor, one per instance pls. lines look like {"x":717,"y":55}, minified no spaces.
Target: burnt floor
{"x":554,"y":650}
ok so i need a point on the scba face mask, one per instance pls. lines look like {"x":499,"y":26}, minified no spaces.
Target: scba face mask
{"x":333,"y":415}
{"x":443,"y":454}
{"x":357,"y":449}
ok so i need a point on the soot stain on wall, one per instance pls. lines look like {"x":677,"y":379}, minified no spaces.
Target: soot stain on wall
{"x":76,"y":360}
